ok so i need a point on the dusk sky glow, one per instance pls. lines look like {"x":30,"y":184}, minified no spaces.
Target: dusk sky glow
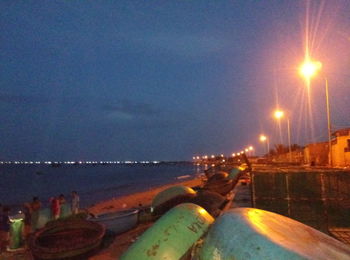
{"x":166,"y":80}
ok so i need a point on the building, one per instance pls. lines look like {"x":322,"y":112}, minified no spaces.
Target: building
{"x":316,"y":154}
{"x":341,"y":148}
{"x":296,"y":156}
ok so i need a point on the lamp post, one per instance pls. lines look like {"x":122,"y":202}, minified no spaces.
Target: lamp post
{"x":263,"y":138}
{"x":278,"y":115}
{"x":308,"y":69}
{"x":251,"y":149}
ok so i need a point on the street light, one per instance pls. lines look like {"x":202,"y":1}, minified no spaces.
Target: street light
{"x":278,"y":115}
{"x":263,"y":138}
{"x":309,"y":69}
{"x":251,"y":150}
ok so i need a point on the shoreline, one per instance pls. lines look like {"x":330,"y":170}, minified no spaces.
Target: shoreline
{"x":134,"y":199}
{"x":93,"y":184}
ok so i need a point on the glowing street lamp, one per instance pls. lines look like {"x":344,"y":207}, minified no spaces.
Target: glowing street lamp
{"x":278,"y":115}
{"x":263,"y":138}
{"x":251,"y":150}
{"x":309,"y":69}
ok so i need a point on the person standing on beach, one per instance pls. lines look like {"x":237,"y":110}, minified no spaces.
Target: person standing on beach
{"x":75,"y":202}
{"x":34,"y":213}
{"x":55,"y":208}
{"x":4,"y":228}
{"x":27,"y":219}
{"x":62,"y":199}
{"x":63,"y":206}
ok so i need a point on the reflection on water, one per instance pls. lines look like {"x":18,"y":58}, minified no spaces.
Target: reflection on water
{"x":320,"y":200}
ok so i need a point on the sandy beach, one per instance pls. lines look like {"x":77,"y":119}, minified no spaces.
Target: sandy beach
{"x":133,"y":200}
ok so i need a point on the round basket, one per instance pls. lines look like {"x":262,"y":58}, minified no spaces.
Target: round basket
{"x":66,"y":239}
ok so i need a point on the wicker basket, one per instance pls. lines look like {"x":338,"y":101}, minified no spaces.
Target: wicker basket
{"x":66,"y":239}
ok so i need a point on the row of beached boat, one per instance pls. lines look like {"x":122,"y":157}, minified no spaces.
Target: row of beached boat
{"x":72,"y":237}
{"x":192,"y":223}
{"x":189,"y":232}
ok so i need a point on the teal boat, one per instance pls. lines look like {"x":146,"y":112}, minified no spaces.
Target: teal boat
{"x":171,"y":193}
{"x":249,"y":233}
{"x":118,"y":221}
{"x":171,"y":236}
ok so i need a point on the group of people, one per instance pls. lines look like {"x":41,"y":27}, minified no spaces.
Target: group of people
{"x":31,"y":215}
{"x":56,"y":205}
{"x":58,"y":202}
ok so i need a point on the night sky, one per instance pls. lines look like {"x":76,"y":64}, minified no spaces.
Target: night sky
{"x":166,"y":80}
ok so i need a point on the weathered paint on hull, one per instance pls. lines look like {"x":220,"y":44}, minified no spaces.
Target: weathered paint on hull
{"x":172,"y":235}
{"x":246,"y":233}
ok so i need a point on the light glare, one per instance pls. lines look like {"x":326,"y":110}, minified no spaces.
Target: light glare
{"x":279,"y":114}
{"x":309,"y":68}
{"x":263,"y":138}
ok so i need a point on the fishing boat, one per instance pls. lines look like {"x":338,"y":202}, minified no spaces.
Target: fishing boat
{"x":271,"y":236}
{"x":71,"y":239}
{"x":117,"y":221}
{"x":172,"y":236}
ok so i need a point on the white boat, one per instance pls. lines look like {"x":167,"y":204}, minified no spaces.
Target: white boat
{"x":117,"y":221}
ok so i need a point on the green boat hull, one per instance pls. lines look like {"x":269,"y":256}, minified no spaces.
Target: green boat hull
{"x":171,"y":237}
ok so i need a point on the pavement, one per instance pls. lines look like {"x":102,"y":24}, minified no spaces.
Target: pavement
{"x":242,"y":196}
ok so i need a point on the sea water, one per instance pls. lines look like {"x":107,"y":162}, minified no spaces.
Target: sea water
{"x":94,"y":183}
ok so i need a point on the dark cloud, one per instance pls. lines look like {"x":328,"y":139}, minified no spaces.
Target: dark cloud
{"x":130,"y":109}
{"x":121,"y":109}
